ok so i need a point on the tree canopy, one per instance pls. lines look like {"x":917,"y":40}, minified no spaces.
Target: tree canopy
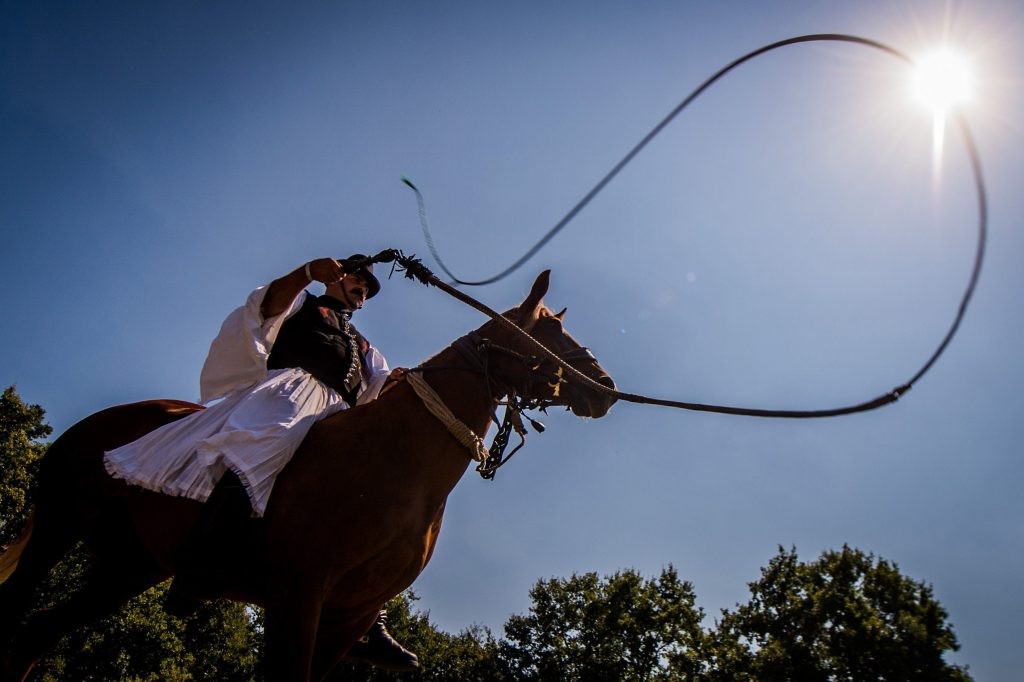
{"x":846,"y":616}
{"x":622,"y":627}
{"x":21,"y":428}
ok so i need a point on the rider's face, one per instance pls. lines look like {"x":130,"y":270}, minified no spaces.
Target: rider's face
{"x":352,"y":290}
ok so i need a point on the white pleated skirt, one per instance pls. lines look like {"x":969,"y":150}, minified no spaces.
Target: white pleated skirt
{"x":253,"y":432}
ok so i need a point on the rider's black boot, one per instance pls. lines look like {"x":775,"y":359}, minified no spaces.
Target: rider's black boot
{"x":379,"y":648}
{"x":216,"y":538}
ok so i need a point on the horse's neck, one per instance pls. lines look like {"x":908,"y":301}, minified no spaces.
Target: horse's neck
{"x":464,"y":391}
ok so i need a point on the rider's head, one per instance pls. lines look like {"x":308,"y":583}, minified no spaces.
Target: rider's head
{"x":357,"y":287}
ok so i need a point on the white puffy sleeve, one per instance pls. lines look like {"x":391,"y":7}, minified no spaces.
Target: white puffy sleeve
{"x":238,"y":355}
{"x":376,"y":373}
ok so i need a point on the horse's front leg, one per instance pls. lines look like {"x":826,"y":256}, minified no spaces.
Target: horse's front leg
{"x":292,"y":618}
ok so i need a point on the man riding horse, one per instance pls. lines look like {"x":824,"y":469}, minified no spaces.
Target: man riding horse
{"x":280,"y":362}
{"x":333,"y":546}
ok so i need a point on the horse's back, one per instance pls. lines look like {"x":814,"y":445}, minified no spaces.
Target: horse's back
{"x":78,"y":453}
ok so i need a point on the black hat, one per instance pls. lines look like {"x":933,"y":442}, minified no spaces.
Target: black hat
{"x":372,"y":283}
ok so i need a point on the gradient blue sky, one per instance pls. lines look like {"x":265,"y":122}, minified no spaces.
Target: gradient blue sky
{"x":786,"y":243}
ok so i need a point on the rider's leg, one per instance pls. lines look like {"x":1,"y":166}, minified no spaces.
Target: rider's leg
{"x":218,"y":537}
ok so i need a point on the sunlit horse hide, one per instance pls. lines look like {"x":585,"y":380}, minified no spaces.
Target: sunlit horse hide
{"x":352,"y":520}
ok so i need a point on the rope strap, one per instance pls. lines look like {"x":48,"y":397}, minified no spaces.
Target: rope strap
{"x":432,"y":401}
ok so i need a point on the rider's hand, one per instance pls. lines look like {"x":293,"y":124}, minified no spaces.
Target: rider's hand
{"x":397,"y":375}
{"x":326,"y":270}
{"x":354,"y":264}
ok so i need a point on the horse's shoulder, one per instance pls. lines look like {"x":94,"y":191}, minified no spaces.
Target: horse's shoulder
{"x":379,"y":409}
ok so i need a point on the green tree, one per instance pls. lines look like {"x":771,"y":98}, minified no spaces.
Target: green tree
{"x":140,"y":642}
{"x":21,"y":427}
{"x":846,"y":616}
{"x":622,"y":627}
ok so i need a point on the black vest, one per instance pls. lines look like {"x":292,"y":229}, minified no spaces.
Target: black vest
{"x":320,"y":339}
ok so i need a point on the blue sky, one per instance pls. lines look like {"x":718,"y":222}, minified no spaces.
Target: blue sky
{"x":785,"y":243}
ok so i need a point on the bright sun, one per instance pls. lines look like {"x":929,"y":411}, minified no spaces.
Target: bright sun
{"x":942,"y":81}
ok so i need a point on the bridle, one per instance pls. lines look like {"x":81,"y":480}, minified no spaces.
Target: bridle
{"x":476,"y":349}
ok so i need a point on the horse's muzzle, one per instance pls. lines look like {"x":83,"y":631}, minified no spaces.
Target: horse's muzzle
{"x":592,"y":403}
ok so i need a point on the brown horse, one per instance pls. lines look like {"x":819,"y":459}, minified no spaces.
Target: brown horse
{"x":351,"y":523}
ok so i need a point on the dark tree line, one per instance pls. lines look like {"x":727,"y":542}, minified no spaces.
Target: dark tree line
{"x":847,"y":615}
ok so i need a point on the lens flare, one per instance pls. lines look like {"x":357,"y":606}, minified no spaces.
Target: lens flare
{"x":942,"y":80}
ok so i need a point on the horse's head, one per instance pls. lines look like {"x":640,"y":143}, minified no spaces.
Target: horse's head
{"x":532,"y":376}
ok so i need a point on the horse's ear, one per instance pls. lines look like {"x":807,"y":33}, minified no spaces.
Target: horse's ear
{"x":540,"y":287}
{"x":561,"y":315}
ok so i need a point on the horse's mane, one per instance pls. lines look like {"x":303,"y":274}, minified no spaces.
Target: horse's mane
{"x":514,"y":315}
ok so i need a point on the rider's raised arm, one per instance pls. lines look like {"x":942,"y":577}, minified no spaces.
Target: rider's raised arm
{"x":283,"y":290}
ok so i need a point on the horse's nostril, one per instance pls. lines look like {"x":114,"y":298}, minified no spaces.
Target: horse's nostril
{"x":607,"y":381}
